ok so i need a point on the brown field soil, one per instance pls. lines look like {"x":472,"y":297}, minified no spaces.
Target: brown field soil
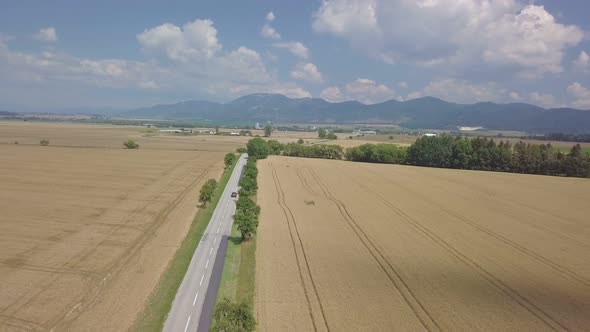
{"x":348,"y":246}
{"x":86,"y":227}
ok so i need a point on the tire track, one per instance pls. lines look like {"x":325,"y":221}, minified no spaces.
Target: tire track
{"x":526,"y":251}
{"x":90,"y":295}
{"x":291,"y":220}
{"x":539,"y":313}
{"x":395,"y":278}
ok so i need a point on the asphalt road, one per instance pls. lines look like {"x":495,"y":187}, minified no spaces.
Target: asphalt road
{"x":201,"y":277}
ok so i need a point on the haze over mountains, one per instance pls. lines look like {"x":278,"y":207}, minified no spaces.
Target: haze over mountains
{"x":427,"y":112}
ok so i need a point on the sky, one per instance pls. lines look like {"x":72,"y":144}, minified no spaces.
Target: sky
{"x":122,"y":54}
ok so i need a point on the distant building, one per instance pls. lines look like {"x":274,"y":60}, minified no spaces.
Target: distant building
{"x":234,"y":133}
{"x":257,"y":126}
{"x":364,"y":132}
{"x":430,"y":135}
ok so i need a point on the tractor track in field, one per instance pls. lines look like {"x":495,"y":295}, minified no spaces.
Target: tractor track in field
{"x":418,"y":309}
{"x":528,"y":252}
{"x":293,"y":225}
{"x":90,"y":295}
{"x":543,"y":316}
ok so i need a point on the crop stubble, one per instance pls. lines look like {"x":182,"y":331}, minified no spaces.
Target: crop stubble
{"x":87,"y":228}
{"x":387,"y":247}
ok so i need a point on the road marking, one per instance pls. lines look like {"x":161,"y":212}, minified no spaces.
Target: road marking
{"x":188,"y":321}
{"x":206,"y":265}
{"x":200,"y":283}
{"x":217,"y":230}
{"x":195,"y":300}
{"x":210,"y":251}
{"x":214,"y":240}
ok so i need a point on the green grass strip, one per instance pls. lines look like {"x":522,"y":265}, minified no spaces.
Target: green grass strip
{"x":154,"y":314}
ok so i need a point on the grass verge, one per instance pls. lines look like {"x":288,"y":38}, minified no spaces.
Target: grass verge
{"x":237,"y":280}
{"x":154,"y":314}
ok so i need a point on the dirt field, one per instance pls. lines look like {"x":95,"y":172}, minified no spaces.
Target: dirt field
{"x":86,"y":228}
{"x":347,"y":246}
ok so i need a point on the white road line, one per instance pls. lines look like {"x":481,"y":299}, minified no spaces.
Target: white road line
{"x":188,"y":321}
{"x":201,"y":282}
{"x":217,"y":230}
{"x":206,"y":265}
{"x":195,"y":300}
{"x":210,"y":251}
{"x":214,"y":240}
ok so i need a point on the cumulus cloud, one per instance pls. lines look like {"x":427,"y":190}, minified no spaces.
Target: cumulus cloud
{"x":270,"y":16}
{"x":333,"y":94}
{"x":47,"y":35}
{"x":267,"y":30}
{"x":362,"y":89}
{"x":523,"y":38}
{"x":195,"y":40}
{"x":461,"y":91}
{"x":307,"y":72}
{"x":543,"y":99}
{"x":296,"y":48}
{"x":582,"y":63}
{"x":582,"y":95}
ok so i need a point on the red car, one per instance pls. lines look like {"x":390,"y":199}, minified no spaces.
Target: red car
{"x":234,"y":194}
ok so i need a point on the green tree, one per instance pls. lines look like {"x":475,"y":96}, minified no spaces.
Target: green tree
{"x":300,"y":141}
{"x":207,"y":191}
{"x":247,"y":224}
{"x":267,"y":130}
{"x":331,"y":135}
{"x":230,"y":317}
{"x":130,"y":144}
{"x":275,"y":147}
{"x":44,"y":142}
{"x":258,"y":148}
{"x":229,"y":159}
{"x":322,"y":133}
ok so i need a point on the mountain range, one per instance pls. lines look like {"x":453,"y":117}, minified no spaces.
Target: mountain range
{"x":427,"y":112}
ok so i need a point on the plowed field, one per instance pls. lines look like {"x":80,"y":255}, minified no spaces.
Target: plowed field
{"x":353,"y":246}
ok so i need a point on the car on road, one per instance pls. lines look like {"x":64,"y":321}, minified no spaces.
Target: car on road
{"x":234,"y":194}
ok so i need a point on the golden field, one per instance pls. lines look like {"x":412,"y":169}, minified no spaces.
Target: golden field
{"x":350,"y":246}
{"x":86,"y":227}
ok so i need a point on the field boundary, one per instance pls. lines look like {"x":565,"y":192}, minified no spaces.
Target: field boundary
{"x":154,"y":314}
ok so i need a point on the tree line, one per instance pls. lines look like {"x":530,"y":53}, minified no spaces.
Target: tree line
{"x":445,"y":152}
{"x":478,"y":154}
{"x":561,"y":137}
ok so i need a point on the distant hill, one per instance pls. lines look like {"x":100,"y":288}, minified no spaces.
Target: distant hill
{"x":427,"y":112}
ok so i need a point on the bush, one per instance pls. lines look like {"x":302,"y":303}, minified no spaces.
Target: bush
{"x":130,"y":144}
{"x":241,"y":150}
{"x":44,"y":142}
{"x":229,"y":316}
{"x":331,"y":135}
{"x":300,"y":141}
{"x":229,"y":159}
{"x":207,"y":191}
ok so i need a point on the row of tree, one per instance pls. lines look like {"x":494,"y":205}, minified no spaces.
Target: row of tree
{"x":325,"y":134}
{"x":207,"y":191}
{"x":260,"y":149}
{"x":446,"y":152}
{"x":561,"y":137}
{"x":229,"y":315}
{"x":247,"y":212}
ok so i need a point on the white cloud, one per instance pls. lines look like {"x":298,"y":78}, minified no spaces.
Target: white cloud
{"x":362,"y":89}
{"x":515,"y":96}
{"x":269,"y":32}
{"x":582,"y":95}
{"x":296,"y":48}
{"x":48,"y":35}
{"x":270,"y":16}
{"x":148,"y":85}
{"x":288,"y":89}
{"x":582,"y":63}
{"x":461,"y":91}
{"x":402,"y":85}
{"x":195,"y":40}
{"x":543,"y":99}
{"x":523,"y":38}
{"x":333,"y":94}
{"x":307,"y":72}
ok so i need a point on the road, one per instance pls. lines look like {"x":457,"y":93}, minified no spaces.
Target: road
{"x":200,"y":278}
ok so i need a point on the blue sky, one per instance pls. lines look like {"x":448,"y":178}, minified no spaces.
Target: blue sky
{"x":134,"y":53}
